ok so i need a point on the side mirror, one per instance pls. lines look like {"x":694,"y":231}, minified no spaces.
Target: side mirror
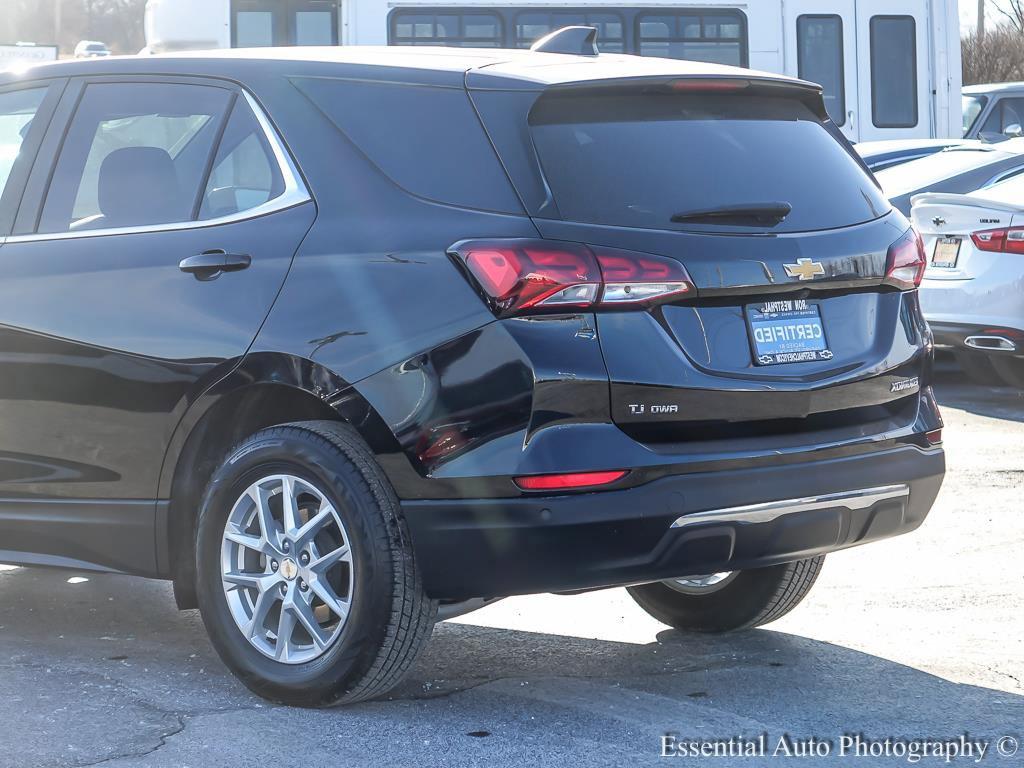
{"x":1013,"y":130}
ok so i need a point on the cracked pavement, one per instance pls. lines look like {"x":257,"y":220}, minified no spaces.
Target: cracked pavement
{"x":918,"y":637}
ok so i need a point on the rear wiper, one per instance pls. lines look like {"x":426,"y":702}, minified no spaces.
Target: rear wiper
{"x":756,"y":214}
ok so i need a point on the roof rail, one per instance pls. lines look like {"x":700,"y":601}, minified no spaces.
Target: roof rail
{"x":576,"y":41}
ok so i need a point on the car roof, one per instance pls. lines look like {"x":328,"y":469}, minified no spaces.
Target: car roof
{"x":483,"y":67}
{"x":972,"y":90}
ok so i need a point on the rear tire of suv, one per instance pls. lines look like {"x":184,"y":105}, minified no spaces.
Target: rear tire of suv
{"x":306,"y":578}
{"x":747,"y":599}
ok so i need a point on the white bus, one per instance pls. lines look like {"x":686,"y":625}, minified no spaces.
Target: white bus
{"x":890,"y":68}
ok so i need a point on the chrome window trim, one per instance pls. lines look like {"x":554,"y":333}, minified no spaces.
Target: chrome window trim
{"x":295,"y":193}
{"x":772,"y":510}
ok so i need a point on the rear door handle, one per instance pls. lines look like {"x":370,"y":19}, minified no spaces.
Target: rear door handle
{"x":209,"y":264}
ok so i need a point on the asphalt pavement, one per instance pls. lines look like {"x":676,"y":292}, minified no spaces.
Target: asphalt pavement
{"x":919,"y":640}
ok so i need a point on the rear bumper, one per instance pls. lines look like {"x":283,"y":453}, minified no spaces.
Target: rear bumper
{"x":677,"y":526}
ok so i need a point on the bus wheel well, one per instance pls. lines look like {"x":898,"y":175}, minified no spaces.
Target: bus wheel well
{"x":223,"y":427}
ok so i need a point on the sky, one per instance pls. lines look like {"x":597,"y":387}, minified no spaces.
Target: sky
{"x":969,"y":13}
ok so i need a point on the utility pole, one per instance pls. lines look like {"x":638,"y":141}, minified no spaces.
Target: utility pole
{"x":981,"y":19}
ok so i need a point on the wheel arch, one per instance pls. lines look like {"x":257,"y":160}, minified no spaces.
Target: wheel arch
{"x":266,"y":390}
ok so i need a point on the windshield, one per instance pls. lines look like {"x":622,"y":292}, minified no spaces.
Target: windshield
{"x":655,"y":159}
{"x":972,"y":106}
{"x":918,"y":174}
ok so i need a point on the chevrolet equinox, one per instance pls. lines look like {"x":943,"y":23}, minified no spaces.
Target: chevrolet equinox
{"x":345,"y":341}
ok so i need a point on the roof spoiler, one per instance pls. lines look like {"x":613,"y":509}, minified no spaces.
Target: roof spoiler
{"x":575,"y":41}
{"x":971,"y":201}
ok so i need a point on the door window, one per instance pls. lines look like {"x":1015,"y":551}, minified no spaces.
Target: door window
{"x":819,"y":41}
{"x":135,"y":154}
{"x":17,"y":108}
{"x":314,"y":28}
{"x":894,"y":72}
{"x":245,"y":174}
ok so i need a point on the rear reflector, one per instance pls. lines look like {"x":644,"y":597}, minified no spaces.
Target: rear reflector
{"x":934,"y":437}
{"x":906,"y":261}
{"x":1009,"y":240}
{"x":518,"y":276}
{"x":571,"y":480}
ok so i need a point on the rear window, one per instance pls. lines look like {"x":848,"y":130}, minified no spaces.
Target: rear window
{"x":639,"y":159}
{"x":926,"y":171}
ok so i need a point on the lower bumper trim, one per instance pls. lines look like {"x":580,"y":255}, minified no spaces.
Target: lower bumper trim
{"x":770,"y":511}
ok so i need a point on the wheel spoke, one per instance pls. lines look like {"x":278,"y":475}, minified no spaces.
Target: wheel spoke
{"x":247,"y":540}
{"x":325,"y":592}
{"x":289,"y":506}
{"x":261,"y":582}
{"x":268,"y":525}
{"x":285,"y":628}
{"x":324,"y":563}
{"x":324,"y":516}
{"x":304,"y":615}
{"x":264,"y":602}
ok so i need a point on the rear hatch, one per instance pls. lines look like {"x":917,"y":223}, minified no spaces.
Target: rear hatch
{"x":795,"y":327}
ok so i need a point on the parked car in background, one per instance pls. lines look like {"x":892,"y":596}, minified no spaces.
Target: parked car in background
{"x":879,"y":155}
{"x":91,"y":49}
{"x":973,"y":288}
{"x":960,"y":169}
{"x":993,"y":112}
{"x":352,"y":338}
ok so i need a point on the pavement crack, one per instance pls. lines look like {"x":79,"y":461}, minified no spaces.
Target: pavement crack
{"x":137,"y":753}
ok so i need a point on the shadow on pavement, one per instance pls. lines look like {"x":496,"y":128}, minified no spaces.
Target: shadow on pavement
{"x":107,"y":669}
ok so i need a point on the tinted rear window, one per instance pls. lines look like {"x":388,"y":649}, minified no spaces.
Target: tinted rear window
{"x":637,"y":159}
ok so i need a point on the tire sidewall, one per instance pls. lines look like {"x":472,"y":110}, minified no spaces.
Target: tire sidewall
{"x":311,"y":458}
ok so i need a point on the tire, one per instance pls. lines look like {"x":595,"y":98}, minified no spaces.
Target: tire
{"x":366,"y":648}
{"x":1010,"y":370}
{"x":978,"y":367}
{"x":749,"y":599}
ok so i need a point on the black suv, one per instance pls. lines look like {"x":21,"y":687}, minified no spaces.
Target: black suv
{"x":343,"y":341}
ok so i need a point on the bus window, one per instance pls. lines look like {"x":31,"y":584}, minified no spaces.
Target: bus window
{"x":453,"y":27}
{"x":530,"y":26}
{"x":819,"y":53}
{"x":719,"y":37}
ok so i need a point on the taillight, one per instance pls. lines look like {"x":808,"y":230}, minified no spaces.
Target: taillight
{"x":906,"y":260}
{"x":572,"y":480}
{"x":1010,"y":240}
{"x":518,"y":276}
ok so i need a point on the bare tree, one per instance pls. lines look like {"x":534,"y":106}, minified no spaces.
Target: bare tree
{"x":118,"y":23}
{"x":1013,"y":10}
{"x":997,"y":57}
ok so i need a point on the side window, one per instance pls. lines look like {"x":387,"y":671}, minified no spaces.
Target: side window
{"x":452,"y":27}
{"x":530,"y":26}
{"x":17,"y":109}
{"x":244,"y":174}
{"x":1005,"y":120}
{"x":894,"y":72}
{"x":718,"y":37}
{"x":135,"y":154}
{"x":819,"y":43}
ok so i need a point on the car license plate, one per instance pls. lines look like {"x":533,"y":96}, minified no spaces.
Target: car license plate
{"x":947,"y":251}
{"x":787,"y":332}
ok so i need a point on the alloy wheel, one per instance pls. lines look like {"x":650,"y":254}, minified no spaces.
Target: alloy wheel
{"x":286,"y":569}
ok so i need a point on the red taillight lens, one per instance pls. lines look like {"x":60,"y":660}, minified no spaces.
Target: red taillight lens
{"x":568,"y":481}
{"x":906,"y":261}
{"x":1000,"y":240}
{"x":520,"y":276}
{"x":934,"y":437}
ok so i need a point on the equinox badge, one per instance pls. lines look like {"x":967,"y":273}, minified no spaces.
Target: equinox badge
{"x":805,"y":269}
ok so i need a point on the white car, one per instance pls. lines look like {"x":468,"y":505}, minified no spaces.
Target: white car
{"x":91,"y":49}
{"x":973,"y":289}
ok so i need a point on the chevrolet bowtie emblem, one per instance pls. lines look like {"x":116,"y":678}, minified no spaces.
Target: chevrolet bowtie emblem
{"x":805,"y":269}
